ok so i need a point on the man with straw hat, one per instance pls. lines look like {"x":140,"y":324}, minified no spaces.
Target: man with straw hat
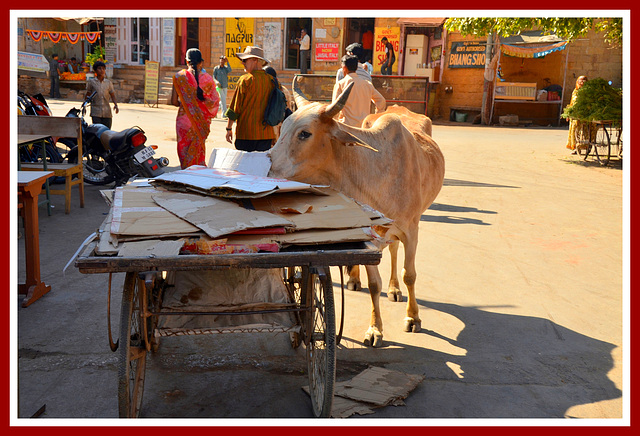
{"x":249,"y":103}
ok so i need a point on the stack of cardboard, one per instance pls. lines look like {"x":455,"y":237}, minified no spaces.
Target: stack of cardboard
{"x":202,"y":210}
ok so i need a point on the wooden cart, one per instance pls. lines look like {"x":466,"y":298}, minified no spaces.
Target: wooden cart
{"x":307,"y":279}
{"x":596,"y":138}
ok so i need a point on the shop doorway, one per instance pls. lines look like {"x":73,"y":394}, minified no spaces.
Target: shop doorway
{"x":361,"y":30}
{"x":188,"y":32}
{"x":292,"y":43}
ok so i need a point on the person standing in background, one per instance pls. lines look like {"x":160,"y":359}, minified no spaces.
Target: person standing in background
{"x":305,"y":48}
{"x":363,"y":93}
{"x":100,"y":108}
{"x":390,"y":57}
{"x":221,"y":76}
{"x":195,"y":94}
{"x":249,"y":103}
{"x":54,"y":75}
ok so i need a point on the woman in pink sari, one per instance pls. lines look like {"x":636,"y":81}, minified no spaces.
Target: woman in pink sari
{"x":194,"y":92}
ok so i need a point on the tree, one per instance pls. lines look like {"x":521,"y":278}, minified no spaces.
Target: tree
{"x":565,"y":28}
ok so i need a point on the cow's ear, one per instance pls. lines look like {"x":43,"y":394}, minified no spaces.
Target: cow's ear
{"x":348,"y":139}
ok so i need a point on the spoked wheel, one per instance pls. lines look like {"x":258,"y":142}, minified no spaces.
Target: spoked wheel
{"x":133,"y":347}
{"x":602,"y":146}
{"x":293,"y":280}
{"x":320,"y":341}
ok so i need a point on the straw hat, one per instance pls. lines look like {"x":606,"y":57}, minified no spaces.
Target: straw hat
{"x":252,"y":52}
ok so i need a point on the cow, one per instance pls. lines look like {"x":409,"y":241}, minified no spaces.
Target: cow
{"x":418,"y":125}
{"x":384,"y":166}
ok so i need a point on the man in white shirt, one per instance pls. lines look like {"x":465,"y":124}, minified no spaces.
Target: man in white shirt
{"x":358,"y":105}
{"x":305,"y":46}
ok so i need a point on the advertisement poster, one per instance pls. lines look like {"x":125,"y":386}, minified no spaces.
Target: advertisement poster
{"x":393,"y":35}
{"x":239,"y":33}
{"x":327,"y":51}
{"x":151,"y":75}
{"x":467,"y":54}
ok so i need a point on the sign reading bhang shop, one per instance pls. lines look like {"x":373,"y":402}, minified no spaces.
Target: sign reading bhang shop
{"x":467,"y":54}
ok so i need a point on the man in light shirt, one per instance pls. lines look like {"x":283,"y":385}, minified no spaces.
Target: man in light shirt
{"x":305,"y":45}
{"x":358,"y":105}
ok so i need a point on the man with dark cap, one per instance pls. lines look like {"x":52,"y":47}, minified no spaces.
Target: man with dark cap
{"x":355,"y":49}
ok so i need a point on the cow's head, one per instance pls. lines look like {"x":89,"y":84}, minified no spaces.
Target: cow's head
{"x":310,"y":139}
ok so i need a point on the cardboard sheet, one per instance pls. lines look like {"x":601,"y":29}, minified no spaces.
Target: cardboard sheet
{"x":256,"y":163}
{"x":222,"y":182}
{"x":135,"y":213}
{"x":216,"y":216}
{"x":332,"y":210}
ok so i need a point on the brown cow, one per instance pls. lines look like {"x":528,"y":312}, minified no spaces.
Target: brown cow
{"x":411,"y":120}
{"x":400,"y":177}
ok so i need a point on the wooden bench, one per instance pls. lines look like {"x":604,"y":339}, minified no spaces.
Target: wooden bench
{"x":57,"y":127}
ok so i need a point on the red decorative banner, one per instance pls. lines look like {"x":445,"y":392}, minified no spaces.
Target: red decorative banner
{"x":72,"y":37}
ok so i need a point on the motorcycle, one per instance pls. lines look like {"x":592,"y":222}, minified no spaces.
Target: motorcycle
{"x":109,"y":156}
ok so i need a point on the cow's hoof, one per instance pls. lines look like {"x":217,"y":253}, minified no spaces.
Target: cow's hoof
{"x":354,"y":285}
{"x":394,"y":295}
{"x":373,"y":338}
{"x":412,"y":325}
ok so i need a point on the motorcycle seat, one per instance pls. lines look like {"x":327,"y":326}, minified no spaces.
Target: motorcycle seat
{"x":114,"y":141}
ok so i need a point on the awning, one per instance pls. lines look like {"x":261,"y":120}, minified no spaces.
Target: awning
{"x":531,"y":52}
{"x":421,"y":22}
{"x":56,"y":37}
{"x":79,"y":20}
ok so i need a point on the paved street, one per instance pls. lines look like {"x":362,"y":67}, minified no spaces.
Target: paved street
{"x":520,"y":287}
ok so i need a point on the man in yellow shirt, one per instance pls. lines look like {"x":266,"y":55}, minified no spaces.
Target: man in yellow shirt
{"x":249,"y":103}
{"x":358,"y":104}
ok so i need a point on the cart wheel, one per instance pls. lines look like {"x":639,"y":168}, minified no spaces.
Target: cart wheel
{"x":133,"y":352}
{"x":321,"y":342}
{"x":292,"y":276}
{"x":582,"y":141}
{"x":602,"y":147}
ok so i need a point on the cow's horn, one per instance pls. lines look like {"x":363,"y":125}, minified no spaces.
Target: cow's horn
{"x":298,"y":95}
{"x":337,"y":105}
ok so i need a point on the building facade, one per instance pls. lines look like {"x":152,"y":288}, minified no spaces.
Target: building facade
{"x":455,"y":65}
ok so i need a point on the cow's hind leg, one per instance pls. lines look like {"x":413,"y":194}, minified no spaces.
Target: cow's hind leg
{"x":373,"y":336}
{"x":354,"y":284}
{"x":394,"y":293}
{"x":412,"y":322}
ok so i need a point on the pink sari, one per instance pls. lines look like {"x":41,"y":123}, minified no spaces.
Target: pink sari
{"x":194,"y":116}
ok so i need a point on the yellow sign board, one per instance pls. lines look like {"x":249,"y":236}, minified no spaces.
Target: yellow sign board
{"x":239,"y":33}
{"x":393,"y":36}
{"x":151,"y":79}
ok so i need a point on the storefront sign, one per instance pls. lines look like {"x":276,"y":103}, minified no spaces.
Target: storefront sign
{"x":393,"y":36}
{"x":151,"y":74}
{"x":110,"y":39}
{"x":168,"y":44}
{"x":239,"y":33}
{"x":32,"y":62}
{"x":467,"y":54}
{"x":327,"y":51}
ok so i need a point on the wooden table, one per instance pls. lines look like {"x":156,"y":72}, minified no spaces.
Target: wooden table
{"x":29,"y":187}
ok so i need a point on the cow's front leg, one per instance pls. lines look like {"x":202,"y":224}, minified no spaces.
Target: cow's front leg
{"x":354,"y":283}
{"x":412,"y":322}
{"x":394,"y":293}
{"x":373,"y":336}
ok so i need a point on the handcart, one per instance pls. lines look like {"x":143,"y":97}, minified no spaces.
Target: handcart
{"x":305,"y":275}
{"x":597,"y":138}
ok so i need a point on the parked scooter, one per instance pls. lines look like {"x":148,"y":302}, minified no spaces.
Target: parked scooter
{"x":32,"y":105}
{"x":110,"y":156}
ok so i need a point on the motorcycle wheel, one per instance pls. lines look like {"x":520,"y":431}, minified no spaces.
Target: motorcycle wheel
{"x":68,"y":149}
{"x":95,"y":170}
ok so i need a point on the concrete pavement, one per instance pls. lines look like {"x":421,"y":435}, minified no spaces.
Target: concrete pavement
{"x":520,"y":286}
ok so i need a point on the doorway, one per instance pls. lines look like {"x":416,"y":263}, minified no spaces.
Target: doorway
{"x":361,"y":30}
{"x":189,"y":29}
{"x":292,"y":44}
{"x":139,"y":40}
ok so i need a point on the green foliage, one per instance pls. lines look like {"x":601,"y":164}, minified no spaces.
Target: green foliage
{"x":565,"y":28}
{"x":595,"y":101}
{"x":97,"y":55}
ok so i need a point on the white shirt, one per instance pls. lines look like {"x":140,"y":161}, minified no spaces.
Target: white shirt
{"x":305,"y":42}
{"x":358,"y":105}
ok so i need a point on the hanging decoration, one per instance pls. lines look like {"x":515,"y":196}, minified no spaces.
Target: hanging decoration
{"x":72,"y":37}
{"x":531,"y":52}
